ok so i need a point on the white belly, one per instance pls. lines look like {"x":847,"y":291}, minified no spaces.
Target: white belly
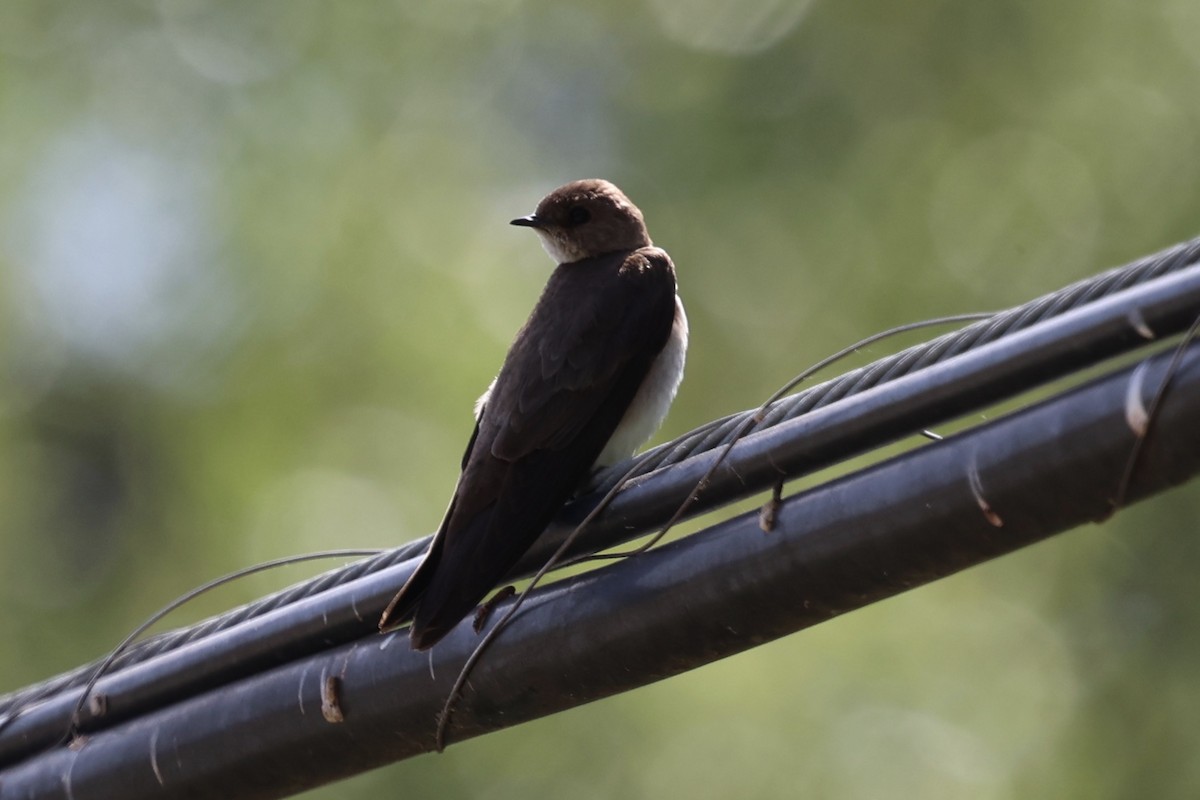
{"x":650,"y":404}
{"x":653,"y":399}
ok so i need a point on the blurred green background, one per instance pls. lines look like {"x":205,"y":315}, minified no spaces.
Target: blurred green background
{"x":255,"y":268}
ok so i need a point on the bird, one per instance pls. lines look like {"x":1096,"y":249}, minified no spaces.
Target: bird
{"x":587,"y":380}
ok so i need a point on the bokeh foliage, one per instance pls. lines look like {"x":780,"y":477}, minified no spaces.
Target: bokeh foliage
{"x":254,"y":269}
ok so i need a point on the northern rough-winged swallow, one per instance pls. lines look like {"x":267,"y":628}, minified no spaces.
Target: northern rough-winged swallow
{"x":587,"y":380}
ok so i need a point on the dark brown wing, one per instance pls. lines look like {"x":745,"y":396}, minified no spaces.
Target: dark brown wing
{"x":566,"y":383}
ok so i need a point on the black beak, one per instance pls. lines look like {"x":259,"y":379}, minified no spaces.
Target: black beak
{"x":530,"y":221}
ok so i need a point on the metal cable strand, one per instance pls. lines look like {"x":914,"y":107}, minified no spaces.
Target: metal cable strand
{"x":169,"y":640}
{"x":719,"y":432}
{"x":711,"y":435}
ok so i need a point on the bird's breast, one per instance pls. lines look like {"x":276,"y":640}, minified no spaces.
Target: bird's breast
{"x":653,"y":398}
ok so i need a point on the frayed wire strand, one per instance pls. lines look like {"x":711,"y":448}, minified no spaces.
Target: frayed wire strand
{"x":183,"y":599}
{"x":1140,"y":438}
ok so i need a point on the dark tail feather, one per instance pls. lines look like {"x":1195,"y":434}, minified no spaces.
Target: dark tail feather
{"x":413,"y":589}
{"x":436,"y":598}
{"x":485,"y":547}
{"x":446,"y":598}
{"x":462,"y":578}
{"x":441,"y":620}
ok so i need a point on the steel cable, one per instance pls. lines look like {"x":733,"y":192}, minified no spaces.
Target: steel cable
{"x":704,"y":438}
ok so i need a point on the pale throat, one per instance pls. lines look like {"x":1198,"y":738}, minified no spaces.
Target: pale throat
{"x":557,"y":250}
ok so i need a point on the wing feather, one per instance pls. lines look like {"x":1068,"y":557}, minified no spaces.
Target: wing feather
{"x":569,"y":377}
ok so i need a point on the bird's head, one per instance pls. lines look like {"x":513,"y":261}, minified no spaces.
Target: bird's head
{"x":586,"y":218}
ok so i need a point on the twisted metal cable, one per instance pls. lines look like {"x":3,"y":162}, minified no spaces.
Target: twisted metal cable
{"x":719,"y":432}
{"x":170,"y":640}
{"x":878,"y":532}
{"x":710,"y":436}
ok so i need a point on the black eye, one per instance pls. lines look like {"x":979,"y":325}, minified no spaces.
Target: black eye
{"x":578,"y":215}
